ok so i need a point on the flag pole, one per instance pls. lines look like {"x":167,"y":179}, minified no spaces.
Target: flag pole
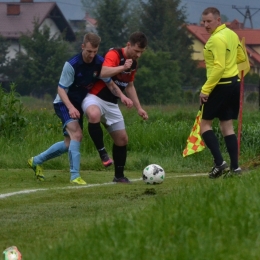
{"x":240,"y":110}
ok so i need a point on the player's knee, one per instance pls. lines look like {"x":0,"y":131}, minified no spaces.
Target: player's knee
{"x":93,"y":115}
{"x":77,"y":136}
{"x":124,"y":140}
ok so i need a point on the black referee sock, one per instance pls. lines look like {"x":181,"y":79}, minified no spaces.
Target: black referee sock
{"x":211,"y":142}
{"x":119,"y":156}
{"x":96,"y":134}
{"x":232,"y":148}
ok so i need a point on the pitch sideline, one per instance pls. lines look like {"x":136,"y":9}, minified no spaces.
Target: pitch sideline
{"x":5,"y":195}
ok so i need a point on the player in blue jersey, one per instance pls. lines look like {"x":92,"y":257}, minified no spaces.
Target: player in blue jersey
{"x":78,"y":76}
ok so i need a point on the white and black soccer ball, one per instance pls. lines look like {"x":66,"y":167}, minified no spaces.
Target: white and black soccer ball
{"x":153,"y":174}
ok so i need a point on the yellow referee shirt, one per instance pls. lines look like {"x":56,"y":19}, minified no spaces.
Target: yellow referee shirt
{"x":222,"y":53}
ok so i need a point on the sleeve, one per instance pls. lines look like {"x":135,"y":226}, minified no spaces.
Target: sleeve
{"x":112,"y":59}
{"x":241,"y":55}
{"x":219,"y":54}
{"x":67,"y":76}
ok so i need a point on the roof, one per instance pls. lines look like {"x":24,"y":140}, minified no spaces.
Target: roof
{"x":252,"y":37}
{"x":12,"y":26}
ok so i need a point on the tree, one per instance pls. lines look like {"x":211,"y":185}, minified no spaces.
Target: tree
{"x":224,"y":18}
{"x":3,"y":51}
{"x":112,"y":18}
{"x":157,"y":80}
{"x":3,"y":57}
{"x":90,"y":6}
{"x":37,"y":69}
{"x":163,"y":21}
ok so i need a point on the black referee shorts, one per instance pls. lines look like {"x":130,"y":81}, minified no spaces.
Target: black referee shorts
{"x":223,"y":101}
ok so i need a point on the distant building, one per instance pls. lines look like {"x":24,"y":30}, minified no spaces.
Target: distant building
{"x":252,"y":40}
{"x":88,"y":24}
{"x":17,"y":19}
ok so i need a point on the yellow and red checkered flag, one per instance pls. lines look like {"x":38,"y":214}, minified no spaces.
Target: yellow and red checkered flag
{"x":194,"y":141}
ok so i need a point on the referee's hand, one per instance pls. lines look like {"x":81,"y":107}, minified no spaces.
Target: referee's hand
{"x":203,"y":98}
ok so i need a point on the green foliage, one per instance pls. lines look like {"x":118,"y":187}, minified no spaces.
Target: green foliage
{"x":90,"y":6}
{"x":36,"y":70}
{"x":12,"y":111}
{"x":160,"y":139}
{"x":3,"y":52}
{"x":199,"y":77}
{"x":252,"y":78}
{"x":162,"y":21}
{"x":188,"y":97}
{"x":252,"y":97}
{"x":112,"y":17}
{"x":157,"y":80}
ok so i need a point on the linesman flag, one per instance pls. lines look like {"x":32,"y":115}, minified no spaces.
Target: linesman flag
{"x":243,"y":66}
{"x":194,"y":141}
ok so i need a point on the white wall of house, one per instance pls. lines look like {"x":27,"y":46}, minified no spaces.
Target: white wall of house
{"x":54,"y":31}
{"x":13,"y":49}
{"x":15,"y":46}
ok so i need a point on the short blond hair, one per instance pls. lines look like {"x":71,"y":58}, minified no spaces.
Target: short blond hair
{"x":211,"y":10}
{"x":92,"y":38}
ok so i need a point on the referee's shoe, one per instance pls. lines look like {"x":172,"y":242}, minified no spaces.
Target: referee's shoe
{"x":217,"y":171}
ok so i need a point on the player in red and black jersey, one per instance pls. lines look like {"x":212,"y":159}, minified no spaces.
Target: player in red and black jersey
{"x":100,"y":105}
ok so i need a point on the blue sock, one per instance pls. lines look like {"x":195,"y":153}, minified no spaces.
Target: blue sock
{"x":74,"y":158}
{"x":55,"y":150}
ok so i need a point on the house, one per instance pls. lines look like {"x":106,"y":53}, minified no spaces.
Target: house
{"x":88,"y":23}
{"x":252,"y":40}
{"x":17,"y":19}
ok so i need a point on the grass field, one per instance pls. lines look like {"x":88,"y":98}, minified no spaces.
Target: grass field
{"x":186,"y":217}
{"x":189,"y":216}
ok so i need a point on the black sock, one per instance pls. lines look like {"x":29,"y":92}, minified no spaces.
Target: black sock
{"x":119,"y":156}
{"x":232,"y":148}
{"x":96,"y":134}
{"x":211,"y":142}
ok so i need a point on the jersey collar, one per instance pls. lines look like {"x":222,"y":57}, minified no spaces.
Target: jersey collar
{"x":219,"y":28}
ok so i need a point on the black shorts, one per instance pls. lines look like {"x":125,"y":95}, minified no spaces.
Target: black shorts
{"x":223,"y":101}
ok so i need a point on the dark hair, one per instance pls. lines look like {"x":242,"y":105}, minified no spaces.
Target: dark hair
{"x":211,"y":10}
{"x":138,"y":38}
{"x":92,"y":38}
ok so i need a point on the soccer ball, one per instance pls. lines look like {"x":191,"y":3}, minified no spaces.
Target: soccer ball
{"x":153,"y":174}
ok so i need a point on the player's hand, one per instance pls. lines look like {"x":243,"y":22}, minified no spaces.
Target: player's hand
{"x":142,"y":113}
{"x":74,"y":113}
{"x":203,"y":98}
{"x":126,"y":101}
{"x":128,"y":64}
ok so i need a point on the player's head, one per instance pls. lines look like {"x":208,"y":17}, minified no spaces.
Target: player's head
{"x":211,"y":19}
{"x":136,"y":45}
{"x":90,"y":46}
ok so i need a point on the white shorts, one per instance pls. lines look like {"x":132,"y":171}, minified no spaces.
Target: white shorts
{"x":111,"y":115}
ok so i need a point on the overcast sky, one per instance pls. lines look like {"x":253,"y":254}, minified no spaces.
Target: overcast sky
{"x":72,"y":9}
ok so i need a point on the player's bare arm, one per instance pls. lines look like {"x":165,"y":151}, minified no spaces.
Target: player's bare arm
{"x":131,"y":93}
{"x":115,"y":90}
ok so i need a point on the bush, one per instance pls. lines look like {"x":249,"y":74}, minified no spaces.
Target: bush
{"x":252,"y":97}
{"x":188,"y":97}
{"x":11,"y":112}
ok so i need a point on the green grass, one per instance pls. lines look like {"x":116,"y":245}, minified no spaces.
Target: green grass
{"x":188,"y":217}
{"x":183,"y":218}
